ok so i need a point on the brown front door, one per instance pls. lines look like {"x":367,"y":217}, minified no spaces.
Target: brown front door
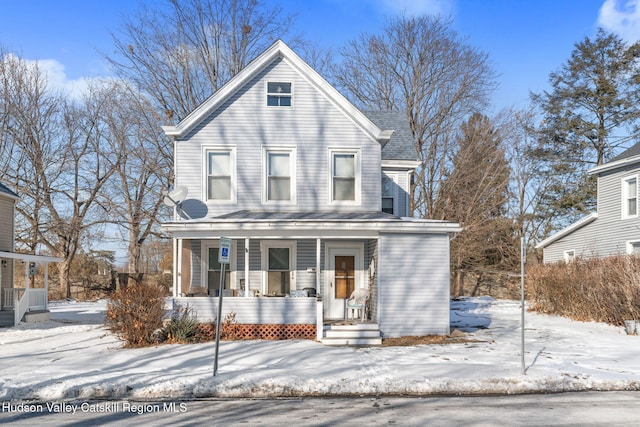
{"x":344,"y":276}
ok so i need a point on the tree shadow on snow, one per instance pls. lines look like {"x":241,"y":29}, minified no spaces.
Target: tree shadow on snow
{"x":469,"y":314}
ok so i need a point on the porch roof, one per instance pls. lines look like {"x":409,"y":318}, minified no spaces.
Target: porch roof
{"x":40,"y":259}
{"x":283,"y":224}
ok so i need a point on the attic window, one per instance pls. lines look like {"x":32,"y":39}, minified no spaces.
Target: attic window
{"x":278,"y":94}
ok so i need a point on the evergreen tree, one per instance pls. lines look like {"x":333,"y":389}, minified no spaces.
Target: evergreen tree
{"x":590,"y":113}
{"x":476,"y":194}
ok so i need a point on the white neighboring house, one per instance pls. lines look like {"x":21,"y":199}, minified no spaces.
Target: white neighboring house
{"x":314,"y":195}
{"x":615,"y":228}
{"x":18,"y":303}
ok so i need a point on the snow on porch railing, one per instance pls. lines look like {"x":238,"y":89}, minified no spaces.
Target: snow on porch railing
{"x":10,"y":296}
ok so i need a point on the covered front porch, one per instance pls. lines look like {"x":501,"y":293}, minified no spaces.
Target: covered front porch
{"x":301,"y":269}
{"x":23,"y":303}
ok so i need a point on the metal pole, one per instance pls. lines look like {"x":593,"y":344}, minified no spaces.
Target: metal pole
{"x":215,"y":363}
{"x":523,"y":255}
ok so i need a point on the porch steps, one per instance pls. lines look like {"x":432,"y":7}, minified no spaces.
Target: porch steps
{"x":352,"y":334}
{"x":6,"y":318}
{"x":36,"y":316}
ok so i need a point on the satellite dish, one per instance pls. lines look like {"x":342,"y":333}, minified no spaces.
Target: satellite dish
{"x":176,"y":196}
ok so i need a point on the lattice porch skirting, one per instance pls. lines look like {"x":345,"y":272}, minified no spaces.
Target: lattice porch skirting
{"x":274,"y":332}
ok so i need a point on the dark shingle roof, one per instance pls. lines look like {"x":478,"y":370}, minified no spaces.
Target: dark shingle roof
{"x":314,"y":215}
{"x":6,"y":190}
{"x":401,"y":145}
{"x":629,"y":152}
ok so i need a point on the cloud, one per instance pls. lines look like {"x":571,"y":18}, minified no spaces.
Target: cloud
{"x":417,"y":7}
{"x":621,"y":17}
{"x":57,"y":78}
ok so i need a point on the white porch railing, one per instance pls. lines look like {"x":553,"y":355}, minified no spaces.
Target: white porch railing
{"x":22,"y":300}
{"x":37,"y":299}
{"x":21,"y":307}
{"x":10,"y":297}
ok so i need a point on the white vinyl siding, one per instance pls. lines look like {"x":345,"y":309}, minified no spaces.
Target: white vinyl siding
{"x":278,"y":311}
{"x":413,"y":278}
{"x":609,"y":233}
{"x":313,"y":126}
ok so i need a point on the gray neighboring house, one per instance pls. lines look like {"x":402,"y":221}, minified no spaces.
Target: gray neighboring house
{"x":615,"y":228}
{"x":18,"y":304}
{"x":314,"y":195}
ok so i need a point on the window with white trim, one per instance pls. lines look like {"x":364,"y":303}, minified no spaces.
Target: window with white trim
{"x":633,"y":247}
{"x":570,"y":255}
{"x":279,"y":267}
{"x":280,"y":175}
{"x":345,"y":176}
{"x":220,"y":179}
{"x":630,"y":197}
{"x":388,"y":189}
{"x":279,"y":94}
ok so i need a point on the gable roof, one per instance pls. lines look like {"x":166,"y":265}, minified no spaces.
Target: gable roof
{"x":568,"y":230}
{"x":400,"y":145}
{"x":6,"y":191}
{"x":277,"y":50}
{"x":629,"y":156}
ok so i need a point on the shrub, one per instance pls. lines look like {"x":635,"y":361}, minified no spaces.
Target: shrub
{"x":135,"y":312}
{"x":601,"y":290}
{"x":183,"y":326}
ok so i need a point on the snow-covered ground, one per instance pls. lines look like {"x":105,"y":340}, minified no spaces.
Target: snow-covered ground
{"x":74,"y":356}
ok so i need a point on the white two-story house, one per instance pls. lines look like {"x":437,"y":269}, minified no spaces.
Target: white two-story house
{"x":314,"y":195}
{"x":614,"y":229}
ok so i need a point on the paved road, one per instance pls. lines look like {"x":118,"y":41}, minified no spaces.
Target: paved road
{"x":568,"y":409}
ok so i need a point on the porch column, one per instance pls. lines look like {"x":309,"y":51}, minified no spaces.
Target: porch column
{"x":246,"y":267}
{"x":319,"y":307}
{"x":318,"y":246}
{"x":179,"y":269}
{"x":26,"y":276}
{"x":46,"y":285}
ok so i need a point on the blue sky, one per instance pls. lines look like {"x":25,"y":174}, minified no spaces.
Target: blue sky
{"x":525,"y":39}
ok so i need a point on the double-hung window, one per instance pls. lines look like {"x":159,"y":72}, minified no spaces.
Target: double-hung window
{"x":280,"y":174}
{"x":630,"y":197}
{"x":388,"y":194}
{"x":345,"y":175}
{"x":278,"y":94}
{"x":220,"y":179}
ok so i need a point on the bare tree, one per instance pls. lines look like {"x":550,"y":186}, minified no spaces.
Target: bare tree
{"x":60,"y":161}
{"x":180,"y":55}
{"x":421,"y":66}
{"x":528,"y":184}
{"x":143,"y":172}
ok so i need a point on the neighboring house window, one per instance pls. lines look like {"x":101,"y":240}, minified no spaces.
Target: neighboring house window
{"x":278,"y":94}
{"x":345,"y":172}
{"x":220,"y":174}
{"x":280,"y":175}
{"x":633,"y":247}
{"x":570,"y":255}
{"x":630,"y":197}
{"x":388,"y":194}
